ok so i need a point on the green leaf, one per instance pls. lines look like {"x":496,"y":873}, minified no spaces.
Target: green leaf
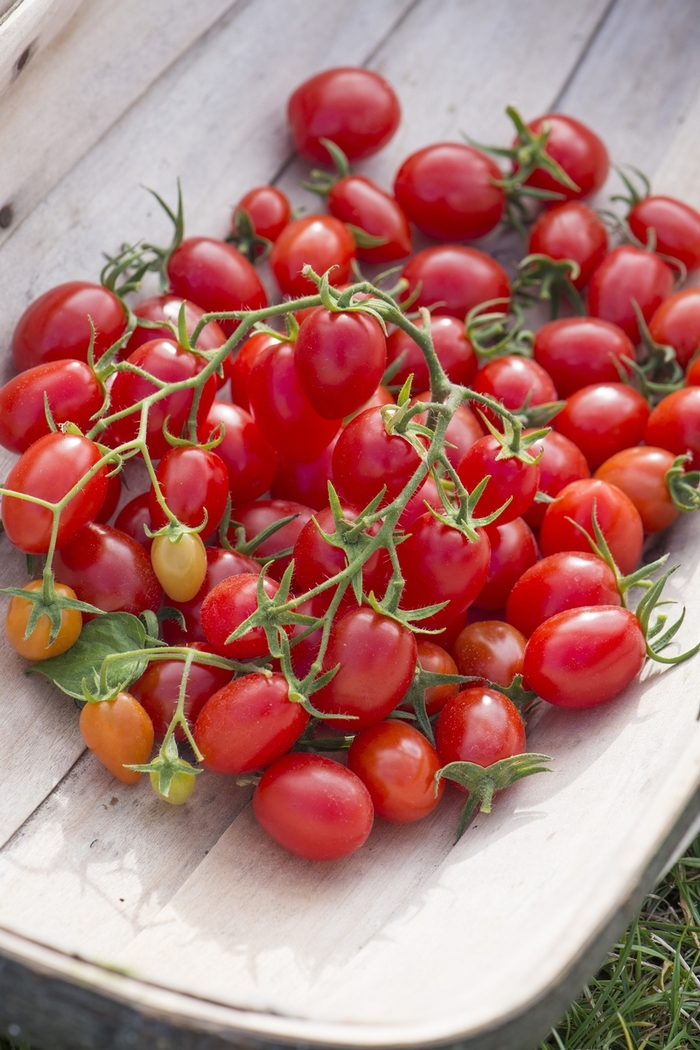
{"x":113,"y":633}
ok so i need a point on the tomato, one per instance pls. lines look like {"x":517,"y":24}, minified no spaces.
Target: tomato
{"x":282,"y":410}
{"x":119,"y":733}
{"x":112,"y":498}
{"x":49,"y":469}
{"x":215,"y":276}
{"x":571,"y":231}
{"x":226,"y":607}
{"x":603,"y":419}
{"x":158,"y":690}
{"x":617,"y":517}
{"x":180,"y":565}
{"x":166,"y":308}
{"x":562,"y":462}
{"x":132,"y":518}
{"x":516,"y":382}
{"x":675,"y":424}
{"x":376,"y":658}
{"x":73,"y":392}
{"x":320,"y":241}
{"x":221,"y":564}
{"x":641,"y":474}
{"x":339,"y":360}
{"x":366,"y":458}
{"x":306,"y":483}
{"x":509,"y":478}
{"x":676,"y":228}
{"x":513,"y":550}
{"x":268,"y":209}
{"x":577,"y":150}
{"x":454,"y":352}
{"x":254,"y":517}
{"x":463,"y":430}
{"x":453,"y":279}
{"x":194,"y":482}
{"x":248,"y":457}
{"x":240,"y":369}
{"x":490,"y":649}
{"x":109,"y":569}
{"x":432,"y":657}
{"x":353,"y":107}
{"x":579,"y":351}
{"x":440,"y":564}
{"x":676,"y":323}
{"x":56,"y":326}
{"x":397,"y":765}
{"x":449,"y":191}
{"x":313,"y":807}
{"x":316,"y":561}
{"x":181,"y":786}
{"x":625,"y":275}
{"x":359,"y":202}
{"x":583,"y":657}
{"x":567,"y":580}
{"x":36,"y":646}
{"x":248,"y":724}
{"x":479,"y":725}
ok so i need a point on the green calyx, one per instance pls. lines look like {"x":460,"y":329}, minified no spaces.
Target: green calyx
{"x":683,"y":485}
{"x":494,"y":332}
{"x":48,"y":602}
{"x":482,"y":782}
{"x":553,"y":277}
{"x":245,"y":238}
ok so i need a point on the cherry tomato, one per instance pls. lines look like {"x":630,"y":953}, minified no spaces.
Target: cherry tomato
{"x":226,"y":607}
{"x":315,"y":560}
{"x":193,"y":481}
{"x":509,"y":478}
{"x":109,"y":569}
{"x":562,"y":462}
{"x":73,"y":392}
{"x":320,"y":241}
{"x":432,"y":657}
{"x":676,"y":228}
{"x":339,"y":360}
{"x":313,"y":807}
{"x":240,"y":369}
{"x":119,"y":733}
{"x":515,"y":381}
{"x":479,"y":725}
{"x":269,"y":211}
{"x":641,"y":474}
{"x":583,"y":657}
{"x":463,"y":430}
{"x":248,"y":724}
{"x":353,"y":107}
{"x":603,"y":419}
{"x":57,"y":324}
{"x":215,"y":276}
{"x":249,"y":458}
{"x":625,"y":275}
{"x":513,"y":550}
{"x":111,"y":500}
{"x":181,"y":786}
{"x":359,"y":202}
{"x":675,"y":424}
{"x":676,"y":323}
{"x":397,"y":765}
{"x":37,"y":646}
{"x":562,"y":581}
{"x":449,"y":191}
{"x":617,"y":516}
{"x":166,"y":309}
{"x":577,"y":150}
{"x":305,"y":483}
{"x":454,"y":352}
{"x":158,"y":690}
{"x":453,"y":279}
{"x":180,"y":565}
{"x":490,"y":649}
{"x":366,"y":458}
{"x":132,"y":518}
{"x":571,"y":231}
{"x":254,"y":517}
{"x":221,"y":564}
{"x":579,"y":351}
{"x":49,"y":469}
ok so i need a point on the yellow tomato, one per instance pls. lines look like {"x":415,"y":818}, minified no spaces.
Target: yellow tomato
{"x":180,"y":566}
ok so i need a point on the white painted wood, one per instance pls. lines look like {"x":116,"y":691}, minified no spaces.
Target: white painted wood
{"x":26,"y":28}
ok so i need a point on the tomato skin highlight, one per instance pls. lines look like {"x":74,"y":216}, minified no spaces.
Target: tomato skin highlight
{"x":579,"y":351}
{"x":677,"y":323}
{"x":56,"y":325}
{"x":73,"y":392}
{"x":166,"y":308}
{"x":360,"y":202}
{"x":192,"y":481}
{"x":675,"y":224}
{"x":479,"y":725}
{"x":490,"y":649}
{"x":119,"y":733}
{"x":226,"y":607}
{"x":366,"y":458}
{"x":36,"y":646}
{"x":452,"y":348}
{"x":180,"y":566}
{"x":397,"y":765}
{"x":626,"y":274}
{"x":568,"y":580}
{"x":109,"y":569}
{"x":583,"y":657}
{"x":675,"y":424}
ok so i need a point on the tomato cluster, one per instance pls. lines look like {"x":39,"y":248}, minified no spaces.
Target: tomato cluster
{"x":361,"y":538}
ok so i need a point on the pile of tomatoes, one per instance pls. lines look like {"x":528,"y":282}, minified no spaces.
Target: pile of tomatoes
{"x":363,"y":554}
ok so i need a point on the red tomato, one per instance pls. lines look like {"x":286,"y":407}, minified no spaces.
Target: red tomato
{"x":339,"y":360}
{"x":617,"y":517}
{"x":48,"y":470}
{"x":305,"y":483}
{"x":226,"y":607}
{"x":676,"y":228}
{"x":675,"y":424}
{"x":641,"y":474}
{"x":571,"y":231}
{"x":628,"y":274}
{"x":73,"y":393}
{"x":313,"y":807}
{"x":376,"y":658}
{"x":254,"y":517}
{"x":479,"y":725}
{"x":578,"y":351}
{"x":193,"y":481}
{"x":132,"y":518}
{"x":513,"y":550}
{"x":249,"y":458}
{"x":366,"y":458}
{"x":269,"y":211}
{"x":676,"y":323}
{"x":353,"y":107}
{"x":453,"y":279}
{"x":577,"y":150}
{"x":359,"y":202}
{"x":215,"y":276}
{"x":603,"y":419}
{"x":454,"y":352}
{"x":562,"y":581}
{"x":240,"y":369}
{"x":109,"y":569}
{"x":562,"y":462}
{"x":166,"y":308}
{"x":397,"y":765}
{"x":508,"y":478}
{"x":426,"y":495}
{"x":448,"y":190}
{"x":158,"y":689}
{"x":463,"y":430}
{"x":316,"y":561}
{"x":111,"y":500}
{"x":221,"y":564}
{"x":56,"y":326}
{"x":119,"y":733}
{"x":490,"y":649}
{"x":515,"y":381}
{"x":319,"y":241}
{"x":248,"y":724}
{"x":432,"y":657}
{"x":583,"y":657}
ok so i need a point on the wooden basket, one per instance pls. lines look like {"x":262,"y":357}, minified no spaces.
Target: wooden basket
{"x":124,"y":923}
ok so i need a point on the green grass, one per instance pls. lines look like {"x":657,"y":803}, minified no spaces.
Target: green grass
{"x":647,"y":995}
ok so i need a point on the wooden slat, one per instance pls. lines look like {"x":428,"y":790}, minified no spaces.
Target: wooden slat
{"x":27,"y":27}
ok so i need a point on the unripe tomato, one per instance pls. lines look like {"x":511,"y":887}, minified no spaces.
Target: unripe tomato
{"x":181,"y":786}
{"x":119,"y":733}
{"x":180,"y":566}
{"x":36,"y":646}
